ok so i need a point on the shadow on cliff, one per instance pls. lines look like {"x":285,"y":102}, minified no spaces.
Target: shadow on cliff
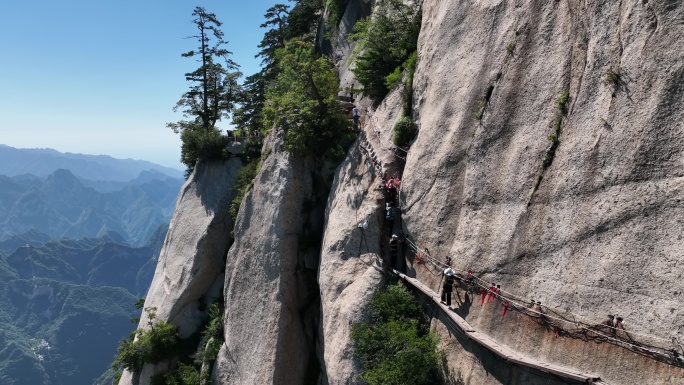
{"x":501,"y":370}
{"x":210,"y":176}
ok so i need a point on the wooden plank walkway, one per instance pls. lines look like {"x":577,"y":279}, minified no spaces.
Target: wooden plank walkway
{"x":498,"y":349}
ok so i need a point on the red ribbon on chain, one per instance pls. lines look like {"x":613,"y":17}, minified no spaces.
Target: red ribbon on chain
{"x":504,"y":310}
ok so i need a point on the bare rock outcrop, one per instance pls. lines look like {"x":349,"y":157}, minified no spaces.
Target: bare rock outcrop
{"x":354,"y":11}
{"x":574,"y":203}
{"x":351,"y":262}
{"x":270,"y":294}
{"x":189,"y":273}
{"x":549,"y":159}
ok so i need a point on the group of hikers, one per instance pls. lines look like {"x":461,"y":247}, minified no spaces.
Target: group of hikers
{"x":239,"y":135}
{"x":391,"y":214}
{"x":613,"y":327}
{"x":452,"y":280}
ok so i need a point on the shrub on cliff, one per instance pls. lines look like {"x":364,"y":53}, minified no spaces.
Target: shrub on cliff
{"x":182,"y":375}
{"x":152,"y":345}
{"x":201,"y":143}
{"x":403,"y":131}
{"x":396,"y":346}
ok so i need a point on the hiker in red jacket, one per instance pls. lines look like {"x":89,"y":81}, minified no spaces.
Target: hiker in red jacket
{"x":392,"y":185}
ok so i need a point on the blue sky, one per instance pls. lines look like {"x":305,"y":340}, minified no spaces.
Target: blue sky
{"x":102,"y":76}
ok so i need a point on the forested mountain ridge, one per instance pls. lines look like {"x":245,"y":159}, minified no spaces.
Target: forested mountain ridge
{"x":61,"y":206}
{"x":66,"y":304}
{"x":70,"y":272}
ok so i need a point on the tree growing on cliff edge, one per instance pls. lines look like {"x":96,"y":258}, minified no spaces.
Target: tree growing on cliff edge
{"x":274,"y":38}
{"x":385,"y":41}
{"x":283,"y":23}
{"x":247,"y":117}
{"x":213,"y":91}
{"x":302,"y":101}
{"x":303,"y":19}
{"x":155,"y":343}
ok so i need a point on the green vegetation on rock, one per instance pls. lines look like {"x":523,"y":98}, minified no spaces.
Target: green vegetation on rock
{"x":562,"y":101}
{"x":510,"y":48}
{"x":244,"y":182}
{"x":202,"y":144}
{"x":335,"y":12}
{"x":191,"y":370}
{"x":396,"y":345}
{"x":302,"y":101}
{"x":183,"y":375}
{"x":403,"y":131}
{"x":151,"y":345}
{"x":612,"y":77}
{"x":212,"y":95}
{"x":385,"y":41}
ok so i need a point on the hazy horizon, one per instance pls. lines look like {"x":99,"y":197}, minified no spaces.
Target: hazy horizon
{"x":102,"y":78}
{"x":179,"y":167}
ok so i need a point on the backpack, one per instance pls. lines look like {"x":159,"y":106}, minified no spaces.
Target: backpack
{"x":390,"y":215}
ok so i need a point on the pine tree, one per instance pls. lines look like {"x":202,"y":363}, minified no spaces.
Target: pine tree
{"x":214,"y":85}
{"x":274,"y":38}
{"x":214,"y":89}
{"x":247,"y":117}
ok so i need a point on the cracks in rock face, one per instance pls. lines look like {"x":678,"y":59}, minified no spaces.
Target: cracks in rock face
{"x":551,"y":150}
{"x":578,"y":52}
{"x":484,"y":102}
{"x":619,"y":31}
{"x":654,"y":23}
{"x":566,"y":104}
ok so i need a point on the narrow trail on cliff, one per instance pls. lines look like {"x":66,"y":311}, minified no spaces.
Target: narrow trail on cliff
{"x":502,"y":351}
{"x":561,"y":323}
{"x":569,"y":324}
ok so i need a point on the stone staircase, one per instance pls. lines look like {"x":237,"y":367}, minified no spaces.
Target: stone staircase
{"x":372,"y":157}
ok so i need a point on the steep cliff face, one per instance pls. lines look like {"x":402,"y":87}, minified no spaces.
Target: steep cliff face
{"x":190,"y":270}
{"x":596,"y":228}
{"x":351,"y":262}
{"x":573,"y":200}
{"x":271,"y":295}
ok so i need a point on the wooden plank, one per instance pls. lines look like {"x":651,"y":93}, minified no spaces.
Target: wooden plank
{"x":500,"y":350}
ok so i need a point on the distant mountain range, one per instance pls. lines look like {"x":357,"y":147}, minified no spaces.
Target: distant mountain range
{"x":65,"y":305}
{"x":43,"y":162}
{"x":63,"y":206}
{"x":79,"y":240}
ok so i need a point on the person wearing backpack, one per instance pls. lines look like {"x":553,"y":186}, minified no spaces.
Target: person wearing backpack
{"x":356,"y":114}
{"x":391,"y":214}
{"x":394,"y":251}
{"x":448,"y":286}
